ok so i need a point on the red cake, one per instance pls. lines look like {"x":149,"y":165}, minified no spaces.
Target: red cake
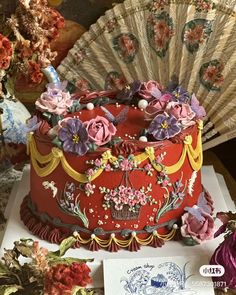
{"x":119,"y":169}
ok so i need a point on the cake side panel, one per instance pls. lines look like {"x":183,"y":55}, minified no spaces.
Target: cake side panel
{"x":58,"y":193}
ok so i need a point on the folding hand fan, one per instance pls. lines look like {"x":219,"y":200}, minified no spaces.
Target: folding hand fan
{"x":194,"y":40}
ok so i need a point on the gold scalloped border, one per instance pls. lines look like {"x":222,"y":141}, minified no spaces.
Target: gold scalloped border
{"x":44,"y":165}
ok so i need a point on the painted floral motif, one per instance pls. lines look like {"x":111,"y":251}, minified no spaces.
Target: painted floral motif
{"x":174,"y":199}
{"x":80,"y":56}
{"x":211,"y":75}
{"x":111,"y":24}
{"x":203,"y":5}
{"x":115,"y":81}
{"x":196,"y":33}
{"x":160,"y":30}
{"x":127,"y":46}
{"x":68,"y":201}
{"x":82,"y":85}
{"x":124,"y":195}
{"x":159,"y":4}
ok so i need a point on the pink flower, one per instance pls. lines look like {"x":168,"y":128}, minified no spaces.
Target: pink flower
{"x":100,"y":130}
{"x":90,"y":172}
{"x":126,"y":165}
{"x":55,"y":100}
{"x":108,"y":168}
{"x":198,"y":230}
{"x":153,"y":108}
{"x":98,"y":162}
{"x":182,"y":112}
{"x":150,"y":89}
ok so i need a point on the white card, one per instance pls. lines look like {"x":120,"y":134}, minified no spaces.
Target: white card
{"x":156,"y":276}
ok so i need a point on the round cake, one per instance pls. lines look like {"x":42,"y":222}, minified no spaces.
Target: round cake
{"x":117,"y":169}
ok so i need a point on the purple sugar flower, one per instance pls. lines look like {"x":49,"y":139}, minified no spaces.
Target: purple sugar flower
{"x":198,"y":110}
{"x":181,"y":95}
{"x":129,"y":91}
{"x":74,"y":137}
{"x":31,"y":125}
{"x":164,"y":126}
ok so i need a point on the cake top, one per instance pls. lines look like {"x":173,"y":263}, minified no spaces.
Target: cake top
{"x":143,"y":112}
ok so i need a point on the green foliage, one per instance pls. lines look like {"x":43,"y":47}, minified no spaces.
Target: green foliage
{"x":28,"y":278}
{"x":7,"y":290}
{"x":56,"y":141}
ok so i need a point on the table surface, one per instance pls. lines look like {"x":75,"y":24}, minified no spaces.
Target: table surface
{"x":15,"y":229}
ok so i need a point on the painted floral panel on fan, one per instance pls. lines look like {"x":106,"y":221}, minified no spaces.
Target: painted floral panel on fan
{"x":119,"y":168}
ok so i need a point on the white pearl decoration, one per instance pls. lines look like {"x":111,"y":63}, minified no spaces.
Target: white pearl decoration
{"x":90,"y":106}
{"x":113,"y":235}
{"x":133,"y":234}
{"x":93,"y":236}
{"x":175,"y":226}
{"x":142,"y":104}
{"x":143,"y":138}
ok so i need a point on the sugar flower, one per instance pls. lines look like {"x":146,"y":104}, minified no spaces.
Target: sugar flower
{"x":32,"y":124}
{"x":100,"y":130}
{"x":150,"y":90}
{"x":182,"y":112}
{"x":164,"y":126}
{"x":129,"y":91}
{"x":198,"y":229}
{"x":55,"y":100}
{"x":74,"y":137}
{"x":180,"y":95}
{"x":198,"y":110}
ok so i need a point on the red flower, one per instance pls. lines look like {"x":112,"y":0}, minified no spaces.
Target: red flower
{"x":61,"y":278}
{"x":34,"y":72}
{"x":54,"y":23}
{"x":5,"y":52}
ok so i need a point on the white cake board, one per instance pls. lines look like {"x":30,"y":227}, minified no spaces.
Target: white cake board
{"x":15,"y":230}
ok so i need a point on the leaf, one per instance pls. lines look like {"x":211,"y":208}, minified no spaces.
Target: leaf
{"x":56,"y":141}
{"x":6,"y":290}
{"x":114,"y":141}
{"x":189,"y":241}
{"x":68,"y":260}
{"x":11,"y":259}
{"x":24,"y":250}
{"x":92,"y":147}
{"x":81,"y":291}
{"x":3,"y":269}
{"x":55,"y":119}
{"x":47,"y":116}
{"x":65,"y":245}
